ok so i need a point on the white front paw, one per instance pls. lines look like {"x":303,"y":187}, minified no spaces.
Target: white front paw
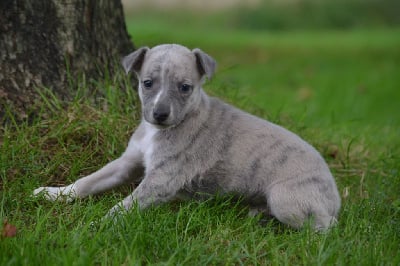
{"x":115,"y":211}
{"x":115,"y":215}
{"x":66,"y":194}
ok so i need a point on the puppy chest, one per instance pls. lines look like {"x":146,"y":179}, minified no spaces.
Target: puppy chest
{"x":146,"y":144}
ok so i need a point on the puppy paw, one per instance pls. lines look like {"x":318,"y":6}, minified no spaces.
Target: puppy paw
{"x":66,"y":194}
{"x":94,"y":225}
{"x":115,"y":212}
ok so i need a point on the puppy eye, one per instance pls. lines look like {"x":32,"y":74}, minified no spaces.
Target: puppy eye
{"x":148,"y":83}
{"x":185,"y":88}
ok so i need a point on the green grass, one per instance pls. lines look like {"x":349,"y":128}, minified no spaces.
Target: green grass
{"x":337,"y":89}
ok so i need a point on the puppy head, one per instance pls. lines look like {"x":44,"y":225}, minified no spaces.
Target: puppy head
{"x":170,"y":78}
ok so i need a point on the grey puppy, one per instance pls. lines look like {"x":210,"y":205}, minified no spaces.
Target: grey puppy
{"x":191,"y":145}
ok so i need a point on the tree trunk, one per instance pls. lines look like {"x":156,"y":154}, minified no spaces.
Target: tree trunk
{"x":43,"y":43}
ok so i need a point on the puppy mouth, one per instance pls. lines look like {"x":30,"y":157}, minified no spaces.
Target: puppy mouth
{"x":160,"y":125}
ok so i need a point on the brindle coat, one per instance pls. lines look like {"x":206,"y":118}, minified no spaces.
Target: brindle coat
{"x":190,"y":144}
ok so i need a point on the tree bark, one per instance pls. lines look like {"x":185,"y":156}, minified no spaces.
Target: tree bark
{"x":43,"y":44}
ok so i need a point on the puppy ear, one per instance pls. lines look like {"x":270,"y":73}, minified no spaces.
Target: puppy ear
{"x":134,"y":60}
{"x":205,"y":63}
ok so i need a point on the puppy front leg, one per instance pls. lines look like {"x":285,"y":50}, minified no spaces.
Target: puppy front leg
{"x":128,"y":167}
{"x":151,"y":191}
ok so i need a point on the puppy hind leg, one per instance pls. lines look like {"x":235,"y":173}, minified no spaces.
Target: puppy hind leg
{"x":254,"y":211}
{"x":323,"y":221}
{"x":295,"y":206}
{"x":288,"y":215}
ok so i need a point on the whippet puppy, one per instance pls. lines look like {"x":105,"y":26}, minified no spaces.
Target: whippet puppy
{"x":191,"y":145}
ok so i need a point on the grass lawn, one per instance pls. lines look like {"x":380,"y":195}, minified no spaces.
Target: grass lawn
{"x":339,"y":90}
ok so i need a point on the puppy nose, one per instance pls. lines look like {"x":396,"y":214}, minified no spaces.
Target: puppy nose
{"x":160,"y":115}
